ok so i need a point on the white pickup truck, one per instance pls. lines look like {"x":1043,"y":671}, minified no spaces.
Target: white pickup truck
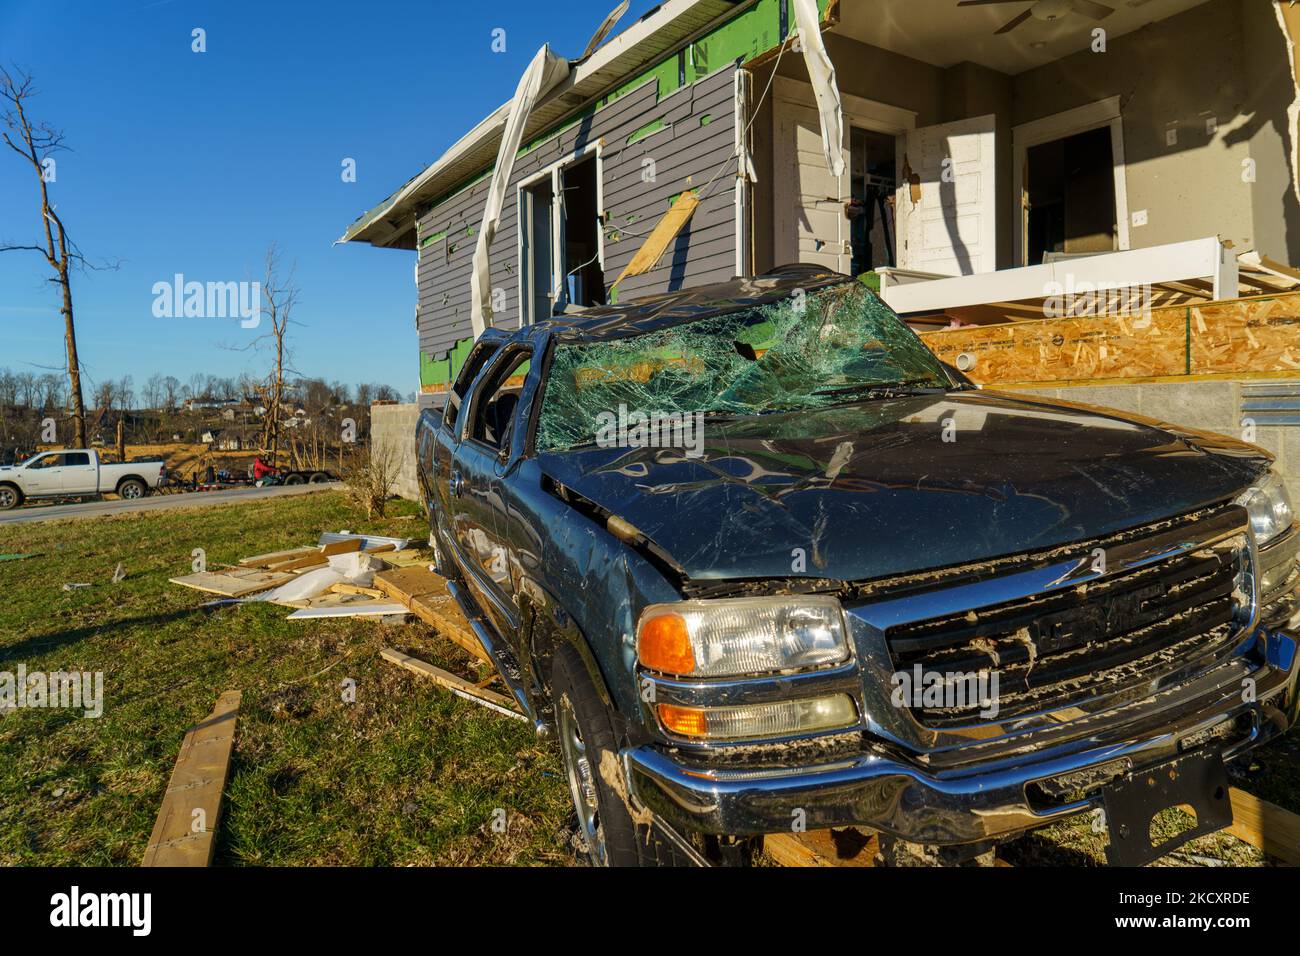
{"x":76,"y":471}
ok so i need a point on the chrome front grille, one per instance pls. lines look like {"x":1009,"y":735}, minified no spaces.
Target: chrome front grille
{"x":1078,"y":628}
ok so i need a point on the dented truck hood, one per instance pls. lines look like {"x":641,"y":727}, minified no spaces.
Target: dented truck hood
{"x":887,"y":487}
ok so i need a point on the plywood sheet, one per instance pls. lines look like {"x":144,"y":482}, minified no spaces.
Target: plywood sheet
{"x":234,"y":583}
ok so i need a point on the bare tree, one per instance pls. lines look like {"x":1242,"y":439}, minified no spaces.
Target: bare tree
{"x":37,"y":143}
{"x":279,"y":296}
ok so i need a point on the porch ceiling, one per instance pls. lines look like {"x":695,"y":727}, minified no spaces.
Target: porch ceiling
{"x":940,"y":33}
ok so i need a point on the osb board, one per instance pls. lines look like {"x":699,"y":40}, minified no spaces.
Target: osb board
{"x":234,"y":583}
{"x":1246,"y":336}
{"x":1237,"y":336}
{"x":191,"y":807}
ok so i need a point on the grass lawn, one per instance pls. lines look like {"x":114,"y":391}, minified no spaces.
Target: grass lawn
{"x":406,"y":775}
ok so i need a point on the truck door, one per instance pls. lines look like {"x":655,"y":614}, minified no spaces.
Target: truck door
{"x":41,"y":475}
{"x":79,"y":475}
{"x":484,"y":451}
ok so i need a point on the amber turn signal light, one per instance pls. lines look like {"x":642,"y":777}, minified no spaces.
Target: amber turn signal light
{"x":683,"y":721}
{"x":665,"y":645}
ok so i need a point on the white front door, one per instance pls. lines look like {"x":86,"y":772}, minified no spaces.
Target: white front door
{"x":809,"y":216}
{"x":947,"y":198}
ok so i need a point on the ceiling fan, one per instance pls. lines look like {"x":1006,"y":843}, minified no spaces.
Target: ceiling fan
{"x":1047,"y":10}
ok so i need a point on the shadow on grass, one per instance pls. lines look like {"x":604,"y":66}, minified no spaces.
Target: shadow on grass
{"x":45,"y":643}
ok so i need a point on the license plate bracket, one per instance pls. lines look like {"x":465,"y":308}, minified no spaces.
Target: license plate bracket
{"x":1196,"y":779}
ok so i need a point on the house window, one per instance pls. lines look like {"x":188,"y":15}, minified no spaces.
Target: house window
{"x":560,"y":249}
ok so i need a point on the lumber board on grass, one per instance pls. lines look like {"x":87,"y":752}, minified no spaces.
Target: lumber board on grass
{"x":234,"y":583}
{"x":344,"y":588}
{"x":180,"y":836}
{"x":406,"y":583}
{"x":341,"y":547}
{"x":1266,"y":826}
{"x":457,"y":685}
{"x":275,"y":557}
{"x":313,"y":560}
{"x":360,"y":608}
{"x":444,"y":615}
{"x":406,"y":558}
{"x":848,"y":847}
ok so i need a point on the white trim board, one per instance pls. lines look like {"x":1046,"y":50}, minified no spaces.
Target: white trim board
{"x":1196,"y":259}
{"x":1081,"y":119}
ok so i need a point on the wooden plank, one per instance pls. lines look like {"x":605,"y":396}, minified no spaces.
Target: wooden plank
{"x":191,"y":807}
{"x":360,"y":608}
{"x":341,"y":547}
{"x":411,"y":582}
{"x":443,"y":614}
{"x":275,"y":557}
{"x":233,"y":583}
{"x":847,"y":847}
{"x":344,"y":588}
{"x":1266,"y":826}
{"x":458,"y":686}
{"x":407,"y":558}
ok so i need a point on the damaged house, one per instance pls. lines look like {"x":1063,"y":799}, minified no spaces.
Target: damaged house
{"x":984,"y":164}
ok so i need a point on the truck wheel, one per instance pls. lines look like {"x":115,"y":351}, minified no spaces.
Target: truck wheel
{"x":131,"y":489}
{"x":318,"y":478}
{"x":10,"y":497}
{"x":294,"y":479}
{"x":596,"y":783}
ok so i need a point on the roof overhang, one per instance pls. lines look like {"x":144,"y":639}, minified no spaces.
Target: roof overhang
{"x":648,"y":41}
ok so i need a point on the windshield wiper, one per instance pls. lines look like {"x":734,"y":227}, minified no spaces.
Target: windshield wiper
{"x":886,"y":390}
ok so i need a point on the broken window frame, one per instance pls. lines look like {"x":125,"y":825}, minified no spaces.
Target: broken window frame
{"x":557,"y":279}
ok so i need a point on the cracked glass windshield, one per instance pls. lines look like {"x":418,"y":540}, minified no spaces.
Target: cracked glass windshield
{"x":808,"y":351}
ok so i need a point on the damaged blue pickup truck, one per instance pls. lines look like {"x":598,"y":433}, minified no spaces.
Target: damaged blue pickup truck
{"x":761,"y":563}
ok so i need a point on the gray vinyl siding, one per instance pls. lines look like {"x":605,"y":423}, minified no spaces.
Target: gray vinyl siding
{"x":686,"y":155}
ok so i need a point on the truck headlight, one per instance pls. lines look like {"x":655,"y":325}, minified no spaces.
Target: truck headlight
{"x":1269,"y":507}
{"x":741,"y":636}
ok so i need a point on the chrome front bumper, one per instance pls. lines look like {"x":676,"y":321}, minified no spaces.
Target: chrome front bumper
{"x":885,"y":789}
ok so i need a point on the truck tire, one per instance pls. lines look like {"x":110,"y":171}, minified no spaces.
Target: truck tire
{"x":318,"y":478}
{"x":10,"y":497}
{"x":590,"y":752}
{"x":294,"y":479}
{"x":131,"y":489}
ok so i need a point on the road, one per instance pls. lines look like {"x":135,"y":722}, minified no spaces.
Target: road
{"x":198,"y":499}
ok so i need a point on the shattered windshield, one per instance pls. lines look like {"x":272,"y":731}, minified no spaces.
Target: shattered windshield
{"x":811,"y":350}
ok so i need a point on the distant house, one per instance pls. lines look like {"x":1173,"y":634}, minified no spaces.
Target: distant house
{"x":209,"y":437}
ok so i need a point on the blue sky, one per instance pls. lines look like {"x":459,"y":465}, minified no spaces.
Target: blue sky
{"x":185,"y":162}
